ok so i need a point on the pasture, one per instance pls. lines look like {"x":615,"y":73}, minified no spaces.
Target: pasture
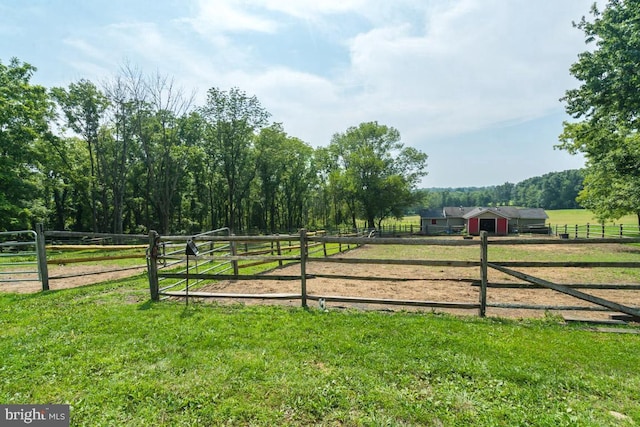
{"x":584,"y":216}
{"x":118,"y":359}
{"x":350,"y":282}
{"x":556,"y":217}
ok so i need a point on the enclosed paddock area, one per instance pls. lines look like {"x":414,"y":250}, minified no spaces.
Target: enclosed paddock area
{"x":495,"y":276}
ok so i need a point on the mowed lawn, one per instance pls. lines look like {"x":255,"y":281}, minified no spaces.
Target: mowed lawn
{"x":120,"y":360}
{"x":584,"y":216}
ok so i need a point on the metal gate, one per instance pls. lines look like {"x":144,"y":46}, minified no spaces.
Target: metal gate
{"x":20,"y":259}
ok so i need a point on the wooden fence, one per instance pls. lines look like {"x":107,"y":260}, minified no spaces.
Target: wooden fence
{"x":103,"y":252}
{"x":305,"y":257}
{"x":592,"y":231}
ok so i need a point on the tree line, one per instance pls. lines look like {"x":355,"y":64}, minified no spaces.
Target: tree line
{"x":136,"y":154}
{"x":554,"y":190}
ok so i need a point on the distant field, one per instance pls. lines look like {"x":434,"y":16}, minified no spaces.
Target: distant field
{"x":583,"y":216}
{"x":556,"y":217}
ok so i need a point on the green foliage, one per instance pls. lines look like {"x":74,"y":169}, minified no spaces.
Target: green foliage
{"x":142,"y":157}
{"x":373,"y":173}
{"x":232,"y":119}
{"x":607,"y":105}
{"x":119,"y":360}
{"x":554,"y":190}
{"x":25,"y":112}
{"x":285,"y":178}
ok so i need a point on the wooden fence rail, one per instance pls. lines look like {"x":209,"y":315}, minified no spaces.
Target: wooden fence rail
{"x":307,"y":241}
{"x":593,"y":231}
{"x":219,"y":255}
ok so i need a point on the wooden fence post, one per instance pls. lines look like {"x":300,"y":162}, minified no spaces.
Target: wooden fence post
{"x":41,"y":251}
{"x":303,"y":266}
{"x":152,"y":265}
{"x":234,"y":252}
{"x":483,"y":272}
{"x":279,"y":249}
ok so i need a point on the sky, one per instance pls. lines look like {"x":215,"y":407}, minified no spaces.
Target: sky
{"x":474,"y":84}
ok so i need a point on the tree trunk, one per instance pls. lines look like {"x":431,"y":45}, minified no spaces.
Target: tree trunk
{"x":371,"y":223}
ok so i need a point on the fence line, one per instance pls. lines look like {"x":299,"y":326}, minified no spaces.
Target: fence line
{"x":25,"y":246}
{"x":590,"y":231}
{"x":482,"y":263}
{"x":220,"y":255}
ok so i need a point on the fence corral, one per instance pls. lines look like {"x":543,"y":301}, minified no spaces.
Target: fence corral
{"x":22,"y":258}
{"x":591,"y":231}
{"x":186,"y":266}
{"x":180,"y":265}
{"x":62,"y":259}
{"x":75,"y":255}
{"x":481,"y":282}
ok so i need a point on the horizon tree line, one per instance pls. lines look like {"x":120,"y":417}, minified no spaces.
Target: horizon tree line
{"x":136,"y":154}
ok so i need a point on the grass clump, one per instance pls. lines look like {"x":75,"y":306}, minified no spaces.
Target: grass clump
{"x":119,"y":360}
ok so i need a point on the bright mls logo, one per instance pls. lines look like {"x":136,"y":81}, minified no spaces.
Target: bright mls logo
{"x":34,"y":415}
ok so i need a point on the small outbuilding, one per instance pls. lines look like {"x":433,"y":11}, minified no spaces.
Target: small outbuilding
{"x":493,"y":221}
{"x":498,"y":221}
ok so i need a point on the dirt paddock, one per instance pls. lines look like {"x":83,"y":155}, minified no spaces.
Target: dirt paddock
{"x":81,"y":275}
{"x":437,"y":284}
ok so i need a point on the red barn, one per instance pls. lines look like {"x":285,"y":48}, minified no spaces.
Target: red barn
{"x":498,"y":221}
{"x":491,"y":220}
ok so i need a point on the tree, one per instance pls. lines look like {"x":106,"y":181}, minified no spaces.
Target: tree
{"x":232,"y":120}
{"x":25,"y":111}
{"x":297,"y":180}
{"x":374,"y":172}
{"x":271,"y":166}
{"x":285,"y":176}
{"x":161,"y":113}
{"x":66,"y":177}
{"x":606,"y":107}
{"x":84,"y":106}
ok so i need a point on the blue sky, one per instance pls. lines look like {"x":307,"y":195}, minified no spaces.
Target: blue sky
{"x":475,"y":84}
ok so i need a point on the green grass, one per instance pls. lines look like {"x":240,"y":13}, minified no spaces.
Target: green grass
{"x":583,"y":216}
{"x":119,"y":360}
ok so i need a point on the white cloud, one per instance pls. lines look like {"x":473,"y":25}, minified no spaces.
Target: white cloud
{"x":430,"y":69}
{"x":312,"y":9}
{"x":216,"y":18}
{"x":474,"y":65}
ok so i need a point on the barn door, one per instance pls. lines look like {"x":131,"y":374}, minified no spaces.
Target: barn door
{"x":502,"y":226}
{"x":473,"y":226}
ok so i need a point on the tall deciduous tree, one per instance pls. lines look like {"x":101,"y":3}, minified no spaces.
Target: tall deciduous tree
{"x":164,"y":148}
{"x":233,"y":118}
{"x":84,"y":106}
{"x":607,"y":108}
{"x":375,"y":172}
{"x":25,"y":111}
{"x":271,"y":166}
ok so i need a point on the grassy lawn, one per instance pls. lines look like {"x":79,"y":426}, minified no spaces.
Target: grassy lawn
{"x":119,"y":360}
{"x":582,"y":217}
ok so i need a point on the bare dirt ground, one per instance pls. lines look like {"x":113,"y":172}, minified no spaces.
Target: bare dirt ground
{"x":66,"y":276}
{"x":436,"y":284}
